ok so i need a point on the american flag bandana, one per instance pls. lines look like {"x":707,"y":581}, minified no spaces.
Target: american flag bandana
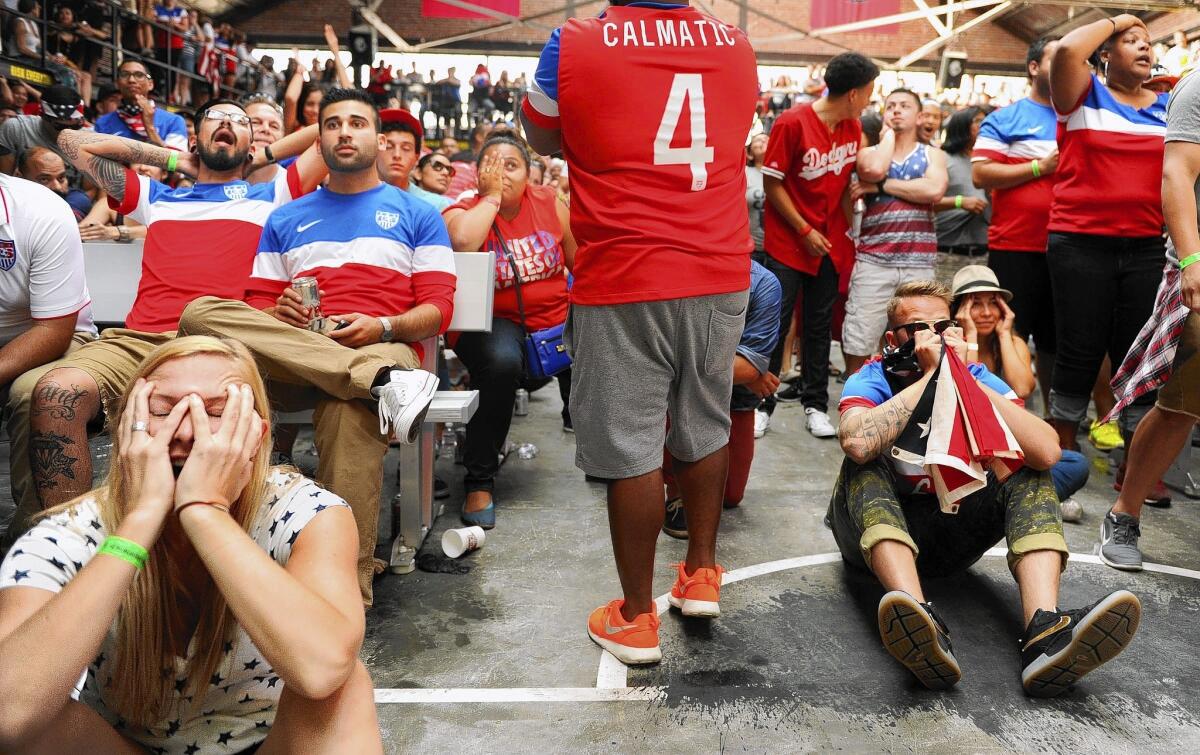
{"x":957,"y":435}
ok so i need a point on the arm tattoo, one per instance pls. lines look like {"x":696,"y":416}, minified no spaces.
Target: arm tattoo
{"x":868,"y":433}
{"x":104,"y":157}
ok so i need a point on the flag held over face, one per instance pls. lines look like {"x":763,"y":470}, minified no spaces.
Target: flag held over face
{"x":957,"y":435}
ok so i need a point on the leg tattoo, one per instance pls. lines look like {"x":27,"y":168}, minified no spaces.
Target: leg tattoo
{"x":57,"y":401}
{"x":50,"y":456}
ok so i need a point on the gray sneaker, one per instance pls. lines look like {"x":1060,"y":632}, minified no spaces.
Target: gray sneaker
{"x":1119,"y":535}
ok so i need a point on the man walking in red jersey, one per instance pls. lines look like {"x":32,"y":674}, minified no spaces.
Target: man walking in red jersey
{"x":658,"y":207}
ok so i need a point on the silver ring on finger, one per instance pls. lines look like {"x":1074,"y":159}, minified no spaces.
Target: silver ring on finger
{"x":140,"y":427}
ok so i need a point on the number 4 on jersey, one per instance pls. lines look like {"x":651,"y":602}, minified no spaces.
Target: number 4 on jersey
{"x":689,"y":87}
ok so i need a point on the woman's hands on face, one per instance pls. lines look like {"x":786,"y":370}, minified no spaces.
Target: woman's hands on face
{"x":219,"y":465}
{"x":145,"y":459}
{"x":963,"y":316}
{"x":1007,"y":317}
{"x":491,"y":176}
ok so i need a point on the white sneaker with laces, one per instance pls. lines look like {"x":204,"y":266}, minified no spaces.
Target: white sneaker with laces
{"x":403,"y":401}
{"x":762,"y":423}
{"x":818,"y":423}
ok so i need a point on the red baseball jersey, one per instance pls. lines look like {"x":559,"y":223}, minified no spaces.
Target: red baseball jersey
{"x":654,"y":103}
{"x":814,"y":165}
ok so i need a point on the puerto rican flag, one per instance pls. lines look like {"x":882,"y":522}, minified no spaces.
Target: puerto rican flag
{"x":957,"y":435}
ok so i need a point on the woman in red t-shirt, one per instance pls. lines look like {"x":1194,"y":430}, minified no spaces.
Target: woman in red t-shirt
{"x":509,"y":216}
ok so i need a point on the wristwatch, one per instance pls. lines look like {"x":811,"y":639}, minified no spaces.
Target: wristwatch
{"x":388,"y":333}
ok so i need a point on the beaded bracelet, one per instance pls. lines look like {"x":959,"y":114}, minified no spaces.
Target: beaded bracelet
{"x":126,"y":550}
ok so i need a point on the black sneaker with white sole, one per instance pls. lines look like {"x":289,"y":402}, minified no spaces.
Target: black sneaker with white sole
{"x":675,"y":523}
{"x":915,"y":636}
{"x":790,"y":393}
{"x":1059,"y":647}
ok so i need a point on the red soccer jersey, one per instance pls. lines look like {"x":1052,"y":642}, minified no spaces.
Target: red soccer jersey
{"x":654,"y":103}
{"x":815,"y":166}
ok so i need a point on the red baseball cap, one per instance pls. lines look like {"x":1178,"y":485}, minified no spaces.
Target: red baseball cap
{"x":399,"y":115}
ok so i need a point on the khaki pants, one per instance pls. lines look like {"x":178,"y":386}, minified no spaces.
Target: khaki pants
{"x":16,"y":399}
{"x":314,"y":371}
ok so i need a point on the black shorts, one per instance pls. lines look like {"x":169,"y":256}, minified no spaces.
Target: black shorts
{"x":1028,"y":277}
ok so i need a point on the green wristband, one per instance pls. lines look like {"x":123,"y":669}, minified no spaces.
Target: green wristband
{"x":172,"y":161}
{"x":1189,"y":260}
{"x":126,"y":550}
{"x":958,"y":201}
{"x":1037,"y":169}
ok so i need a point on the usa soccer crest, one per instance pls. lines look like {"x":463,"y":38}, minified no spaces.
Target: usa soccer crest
{"x":236,"y":191}
{"x":8,"y":254}
{"x":386,"y":220}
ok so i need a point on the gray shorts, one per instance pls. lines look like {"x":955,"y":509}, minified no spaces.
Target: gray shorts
{"x":636,"y":364}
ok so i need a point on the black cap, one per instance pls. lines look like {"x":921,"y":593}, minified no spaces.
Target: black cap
{"x":62,"y":102}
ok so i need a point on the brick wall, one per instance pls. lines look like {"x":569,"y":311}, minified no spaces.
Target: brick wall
{"x":988,"y":45}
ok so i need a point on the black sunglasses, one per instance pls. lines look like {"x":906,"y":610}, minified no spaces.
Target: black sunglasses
{"x":442,"y":168}
{"x":913,"y":328}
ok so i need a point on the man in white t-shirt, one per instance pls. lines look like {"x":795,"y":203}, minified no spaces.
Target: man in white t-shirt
{"x":44,"y":302}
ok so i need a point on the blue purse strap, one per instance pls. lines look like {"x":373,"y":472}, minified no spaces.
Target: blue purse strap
{"x":512,"y":263}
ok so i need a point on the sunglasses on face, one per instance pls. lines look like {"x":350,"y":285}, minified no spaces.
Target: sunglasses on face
{"x":443,"y":168}
{"x":913,"y":328}
{"x":239,"y":119}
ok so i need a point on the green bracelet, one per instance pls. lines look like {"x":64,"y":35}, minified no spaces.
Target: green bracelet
{"x":1037,"y":169}
{"x":1189,"y":260}
{"x":958,"y":201}
{"x":172,"y":161}
{"x":126,"y":550}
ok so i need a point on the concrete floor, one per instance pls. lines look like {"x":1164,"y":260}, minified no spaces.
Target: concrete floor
{"x":497,"y":659}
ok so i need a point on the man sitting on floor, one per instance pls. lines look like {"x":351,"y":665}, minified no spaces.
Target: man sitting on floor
{"x":383,"y":263}
{"x":886,"y":518}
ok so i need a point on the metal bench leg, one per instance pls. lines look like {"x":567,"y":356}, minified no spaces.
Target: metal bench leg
{"x":415,"y":507}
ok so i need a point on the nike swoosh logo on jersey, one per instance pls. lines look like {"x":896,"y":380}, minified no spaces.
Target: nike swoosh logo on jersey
{"x":306,"y":226}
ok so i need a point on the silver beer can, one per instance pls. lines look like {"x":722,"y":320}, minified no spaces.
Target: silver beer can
{"x":521,"y":405}
{"x":310,"y":296}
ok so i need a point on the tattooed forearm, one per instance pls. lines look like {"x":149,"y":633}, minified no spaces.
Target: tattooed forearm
{"x":57,"y":401}
{"x":866,"y":433}
{"x":104,"y":157}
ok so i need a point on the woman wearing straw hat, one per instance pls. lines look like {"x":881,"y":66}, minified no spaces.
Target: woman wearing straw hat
{"x":980,"y":306}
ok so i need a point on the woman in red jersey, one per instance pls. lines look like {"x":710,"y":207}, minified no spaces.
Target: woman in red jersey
{"x":1106,"y":247}
{"x":513,"y":218}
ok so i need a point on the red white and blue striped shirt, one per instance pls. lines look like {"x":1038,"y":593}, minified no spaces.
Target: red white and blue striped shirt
{"x":1110,"y":167}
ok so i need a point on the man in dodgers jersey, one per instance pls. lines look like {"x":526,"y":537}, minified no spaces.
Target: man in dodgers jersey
{"x":813,"y":151}
{"x":383,"y":262}
{"x":1014,"y":158}
{"x":661,"y":276}
{"x":199,"y":241}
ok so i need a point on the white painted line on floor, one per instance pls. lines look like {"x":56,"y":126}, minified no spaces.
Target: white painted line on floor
{"x":612,"y":674}
{"x":519,"y":695}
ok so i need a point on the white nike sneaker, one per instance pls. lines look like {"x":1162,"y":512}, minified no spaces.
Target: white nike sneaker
{"x":818,"y":423}
{"x":403,"y":401}
{"x":762,"y":423}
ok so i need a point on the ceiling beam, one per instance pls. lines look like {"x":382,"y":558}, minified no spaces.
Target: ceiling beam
{"x":940,"y":42}
{"x":557,"y":10}
{"x":937,"y":24}
{"x":895,"y":18}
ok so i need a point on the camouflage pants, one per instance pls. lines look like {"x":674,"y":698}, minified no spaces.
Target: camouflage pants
{"x":866,"y":509}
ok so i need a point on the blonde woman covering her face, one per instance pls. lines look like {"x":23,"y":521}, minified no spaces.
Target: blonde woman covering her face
{"x":243,"y":626}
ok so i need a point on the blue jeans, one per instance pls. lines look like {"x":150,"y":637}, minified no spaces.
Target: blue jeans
{"x":1070,"y":474}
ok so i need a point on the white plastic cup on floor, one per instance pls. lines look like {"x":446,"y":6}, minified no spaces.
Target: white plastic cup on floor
{"x":461,"y":541}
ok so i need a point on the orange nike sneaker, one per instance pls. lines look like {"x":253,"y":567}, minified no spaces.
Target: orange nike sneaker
{"x":698,"y":594}
{"x":633,"y":643}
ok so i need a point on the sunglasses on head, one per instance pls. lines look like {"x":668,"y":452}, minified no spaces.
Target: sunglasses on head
{"x":913,"y":328}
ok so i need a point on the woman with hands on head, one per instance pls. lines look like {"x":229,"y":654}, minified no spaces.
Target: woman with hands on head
{"x":980,"y":307}
{"x":509,"y":215}
{"x":208,"y":600}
